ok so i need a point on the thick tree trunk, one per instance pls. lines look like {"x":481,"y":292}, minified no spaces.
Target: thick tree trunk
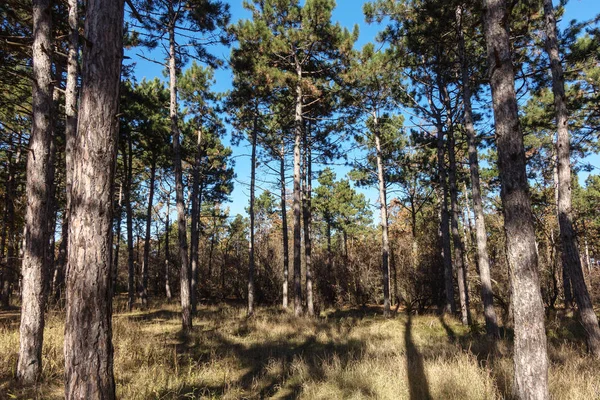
{"x":185,"y":289}
{"x":146,"y":259}
{"x":483,"y":262}
{"x":195,"y":221}
{"x":298,"y":122}
{"x":307,"y":219}
{"x":566,"y":278}
{"x":450,"y":305}
{"x":385,"y":244}
{"x":251,"y":212}
{"x":284,"y":228}
{"x":35,"y":249}
{"x":88,"y":327}
{"x":128,"y":160}
{"x":570,"y":253}
{"x":530,"y":353}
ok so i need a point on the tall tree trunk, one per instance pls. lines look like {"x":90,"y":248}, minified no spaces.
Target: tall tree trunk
{"x":88,"y":327}
{"x":566,"y":278}
{"x":530,"y":353}
{"x":146,"y":258}
{"x":115,"y":266}
{"x":450,"y":305}
{"x":128,"y":160}
{"x":307,"y":217}
{"x":459,"y":261}
{"x":284,"y":228}
{"x":385,"y":244}
{"x":298,"y":122}
{"x":185,"y":289}
{"x":167,"y":255}
{"x":195,"y":221}
{"x":34,"y":265}
{"x":251,"y":212}
{"x":570,"y":253}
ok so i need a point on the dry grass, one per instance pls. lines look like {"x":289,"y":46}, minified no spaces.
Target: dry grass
{"x":351,"y":354}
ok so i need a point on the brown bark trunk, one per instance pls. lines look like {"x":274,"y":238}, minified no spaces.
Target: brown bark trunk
{"x":146,"y":259}
{"x":307,"y":218}
{"x":115,"y":265}
{"x":298,"y":121}
{"x":35,"y":249}
{"x":530,"y":353}
{"x":88,"y":327}
{"x":251,"y":212}
{"x":570,"y":253}
{"x":284,"y":228}
{"x":167,"y":254}
{"x":385,"y":244}
{"x":483,"y":262}
{"x":185,"y":289}
{"x":195,"y":221}
{"x":128,"y":161}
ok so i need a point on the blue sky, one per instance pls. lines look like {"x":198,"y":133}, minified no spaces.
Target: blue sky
{"x":347,"y":13}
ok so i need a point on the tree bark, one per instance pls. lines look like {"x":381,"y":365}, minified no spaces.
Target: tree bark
{"x":195,"y":221}
{"x":88,"y":327}
{"x":307,"y":217}
{"x":115,"y":266}
{"x":483,"y":262}
{"x":167,"y":255}
{"x":298,"y":122}
{"x":37,"y":214}
{"x":570,"y":253}
{"x":185,"y":289}
{"x":284,"y":228}
{"x":251,"y":243}
{"x":146,"y":259}
{"x":128,"y":160}
{"x":385,"y":244}
{"x":530,"y":353}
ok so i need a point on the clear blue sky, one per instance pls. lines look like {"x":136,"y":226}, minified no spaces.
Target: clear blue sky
{"x":348,"y":13}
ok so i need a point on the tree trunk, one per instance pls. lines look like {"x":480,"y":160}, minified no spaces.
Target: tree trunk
{"x":195,"y":220}
{"x":251,"y":212}
{"x":450,"y":305}
{"x":88,"y":327}
{"x":146,"y":258}
{"x":307,"y":217}
{"x":34,"y":265}
{"x":385,"y":244}
{"x":128,"y":161}
{"x":115,"y":266}
{"x":570,"y":253}
{"x":298,"y":121}
{"x":185,"y":289}
{"x":284,"y":228}
{"x":167,"y":255}
{"x":530,"y":353}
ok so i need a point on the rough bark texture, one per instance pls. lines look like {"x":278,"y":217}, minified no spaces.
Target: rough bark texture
{"x":530,"y":353}
{"x":88,"y":327}
{"x":37,"y":214}
{"x":570,"y":252}
{"x":185,"y":287}
{"x":284,"y":228}
{"x":251,"y":212}
{"x":146,"y":259}
{"x":296,"y":199}
{"x":385,"y":243}
{"x":450,"y":305}
{"x":483,"y":262}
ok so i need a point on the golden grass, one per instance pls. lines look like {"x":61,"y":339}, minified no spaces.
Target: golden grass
{"x":350,"y":354}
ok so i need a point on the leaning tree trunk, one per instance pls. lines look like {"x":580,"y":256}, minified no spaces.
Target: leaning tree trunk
{"x":35,"y":249}
{"x":570,"y":253}
{"x":284,"y":228}
{"x":146,"y":258}
{"x":88,"y":326}
{"x":450,"y":305}
{"x":530,"y":353}
{"x":307,"y":219}
{"x":185,"y":289}
{"x":296,"y":199}
{"x":251,"y":212}
{"x":385,"y":244}
{"x":483,"y":262}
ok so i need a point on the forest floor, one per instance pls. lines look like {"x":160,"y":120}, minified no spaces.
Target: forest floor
{"x":344,"y":354}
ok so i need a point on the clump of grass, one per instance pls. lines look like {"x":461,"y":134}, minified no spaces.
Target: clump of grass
{"x":343,"y":354}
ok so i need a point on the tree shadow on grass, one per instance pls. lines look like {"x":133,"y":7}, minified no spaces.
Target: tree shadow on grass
{"x":417,"y":380}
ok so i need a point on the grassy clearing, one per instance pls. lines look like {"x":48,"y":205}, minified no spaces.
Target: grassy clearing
{"x":350,"y":354}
